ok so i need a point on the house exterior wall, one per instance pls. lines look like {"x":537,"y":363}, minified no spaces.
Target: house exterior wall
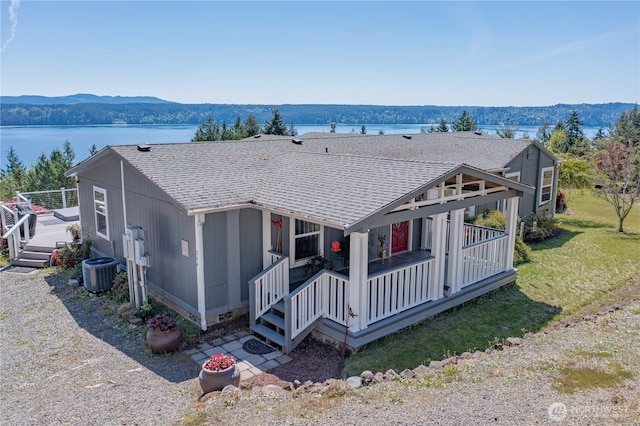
{"x":530,"y":164}
{"x":251,"y":244}
{"x":215,"y":261}
{"x":164,"y":225}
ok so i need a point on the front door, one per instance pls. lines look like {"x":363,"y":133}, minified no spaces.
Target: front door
{"x":399,"y":237}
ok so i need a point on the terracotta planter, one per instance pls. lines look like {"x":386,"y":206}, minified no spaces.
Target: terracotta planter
{"x":216,"y":380}
{"x":160,"y":342}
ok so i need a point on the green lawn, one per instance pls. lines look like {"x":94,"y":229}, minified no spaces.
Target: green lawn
{"x":570,"y":273}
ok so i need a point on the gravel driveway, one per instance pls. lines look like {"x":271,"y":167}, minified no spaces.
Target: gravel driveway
{"x":64,"y":362}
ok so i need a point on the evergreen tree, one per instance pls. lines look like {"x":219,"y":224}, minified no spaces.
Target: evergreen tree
{"x":93,"y":150}
{"x":465,"y":123}
{"x":276,"y":125}
{"x":292,"y":129}
{"x":627,"y":127}
{"x":442,"y":126}
{"x":544,"y":133}
{"x":575,"y":136}
{"x":207,"y":131}
{"x":251,"y":125}
{"x":13,"y":178}
{"x":507,"y":129}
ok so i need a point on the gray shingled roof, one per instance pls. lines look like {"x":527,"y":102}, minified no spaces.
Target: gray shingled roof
{"x":336,"y":179}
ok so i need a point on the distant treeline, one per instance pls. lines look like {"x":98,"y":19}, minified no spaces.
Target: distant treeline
{"x":593,"y":115}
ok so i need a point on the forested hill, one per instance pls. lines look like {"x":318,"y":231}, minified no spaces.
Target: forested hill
{"x":163,"y":112}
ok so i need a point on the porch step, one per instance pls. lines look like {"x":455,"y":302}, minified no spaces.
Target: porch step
{"x":278,"y":307}
{"x":269,"y":334}
{"x":31,"y":263}
{"x":35,"y":255}
{"x":273,"y":319}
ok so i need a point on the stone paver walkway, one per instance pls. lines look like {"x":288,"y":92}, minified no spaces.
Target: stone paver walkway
{"x":249,"y":364}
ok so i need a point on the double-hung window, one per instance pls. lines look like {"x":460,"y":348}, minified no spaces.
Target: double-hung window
{"x":546,"y":185}
{"x":307,"y":240}
{"x":100,"y":209}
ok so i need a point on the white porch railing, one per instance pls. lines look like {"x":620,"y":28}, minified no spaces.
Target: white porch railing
{"x":393,"y":291}
{"x":484,"y":259}
{"x":269,"y":287}
{"x":324,"y":294}
{"x":473,"y":234}
{"x":274,"y":257}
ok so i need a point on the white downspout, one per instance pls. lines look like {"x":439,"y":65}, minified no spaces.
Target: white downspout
{"x":133,"y":280}
{"x":202,"y":306}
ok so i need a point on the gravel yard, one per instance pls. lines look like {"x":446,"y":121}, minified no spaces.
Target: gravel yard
{"x":65,"y":361}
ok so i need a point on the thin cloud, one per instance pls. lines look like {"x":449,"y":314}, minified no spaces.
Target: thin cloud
{"x":564,"y":50}
{"x":13,"y":17}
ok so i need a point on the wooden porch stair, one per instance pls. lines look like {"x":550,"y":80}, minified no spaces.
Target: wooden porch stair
{"x":270,"y":326}
{"x":33,"y":256}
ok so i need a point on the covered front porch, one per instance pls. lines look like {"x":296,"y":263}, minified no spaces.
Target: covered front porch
{"x":452,"y":262}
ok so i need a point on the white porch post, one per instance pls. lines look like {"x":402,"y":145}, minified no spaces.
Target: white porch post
{"x":266,"y":239}
{"x":511,"y":230}
{"x":202,"y":305}
{"x":456,"y":238}
{"x":358,"y":274}
{"x":439,"y":251}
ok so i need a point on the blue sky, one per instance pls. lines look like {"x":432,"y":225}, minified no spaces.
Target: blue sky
{"x":383,"y":53}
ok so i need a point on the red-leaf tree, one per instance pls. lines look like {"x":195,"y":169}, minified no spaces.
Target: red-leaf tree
{"x":619,"y":182}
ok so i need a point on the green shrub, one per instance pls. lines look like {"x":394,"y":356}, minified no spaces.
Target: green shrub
{"x":538,"y":227}
{"x":492,"y":219}
{"x":149,"y":309}
{"x":522,"y":252}
{"x":120,"y":290}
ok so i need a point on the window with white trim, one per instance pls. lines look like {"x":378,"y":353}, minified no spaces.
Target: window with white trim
{"x":307,"y":241}
{"x":546,"y":185}
{"x":100,"y":209}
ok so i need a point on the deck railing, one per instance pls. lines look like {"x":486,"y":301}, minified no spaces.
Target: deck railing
{"x":324,"y":294}
{"x":484,"y":259}
{"x":396,"y":290}
{"x":13,"y":236}
{"x":268,"y":287}
{"x":52,"y":199}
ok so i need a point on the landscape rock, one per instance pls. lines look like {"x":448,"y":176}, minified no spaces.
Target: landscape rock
{"x":450,"y":360}
{"x":421,"y":370}
{"x":436,"y":365}
{"x":354,"y":381}
{"x":271,"y":390}
{"x":367,"y":377}
{"x":465,"y":355}
{"x":231,"y":389}
{"x":390,"y":375}
{"x":408,"y":374}
{"x":378,"y":377}
{"x":514,"y":341}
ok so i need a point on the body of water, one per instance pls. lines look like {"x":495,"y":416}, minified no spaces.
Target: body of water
{"x":30,"y":142}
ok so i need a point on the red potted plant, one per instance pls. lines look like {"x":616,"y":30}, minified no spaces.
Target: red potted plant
{"x":163,"y":333}
{"x":217,"y":372}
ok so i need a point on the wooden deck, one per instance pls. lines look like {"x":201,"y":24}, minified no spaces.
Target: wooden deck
{"x":51,"y":232}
